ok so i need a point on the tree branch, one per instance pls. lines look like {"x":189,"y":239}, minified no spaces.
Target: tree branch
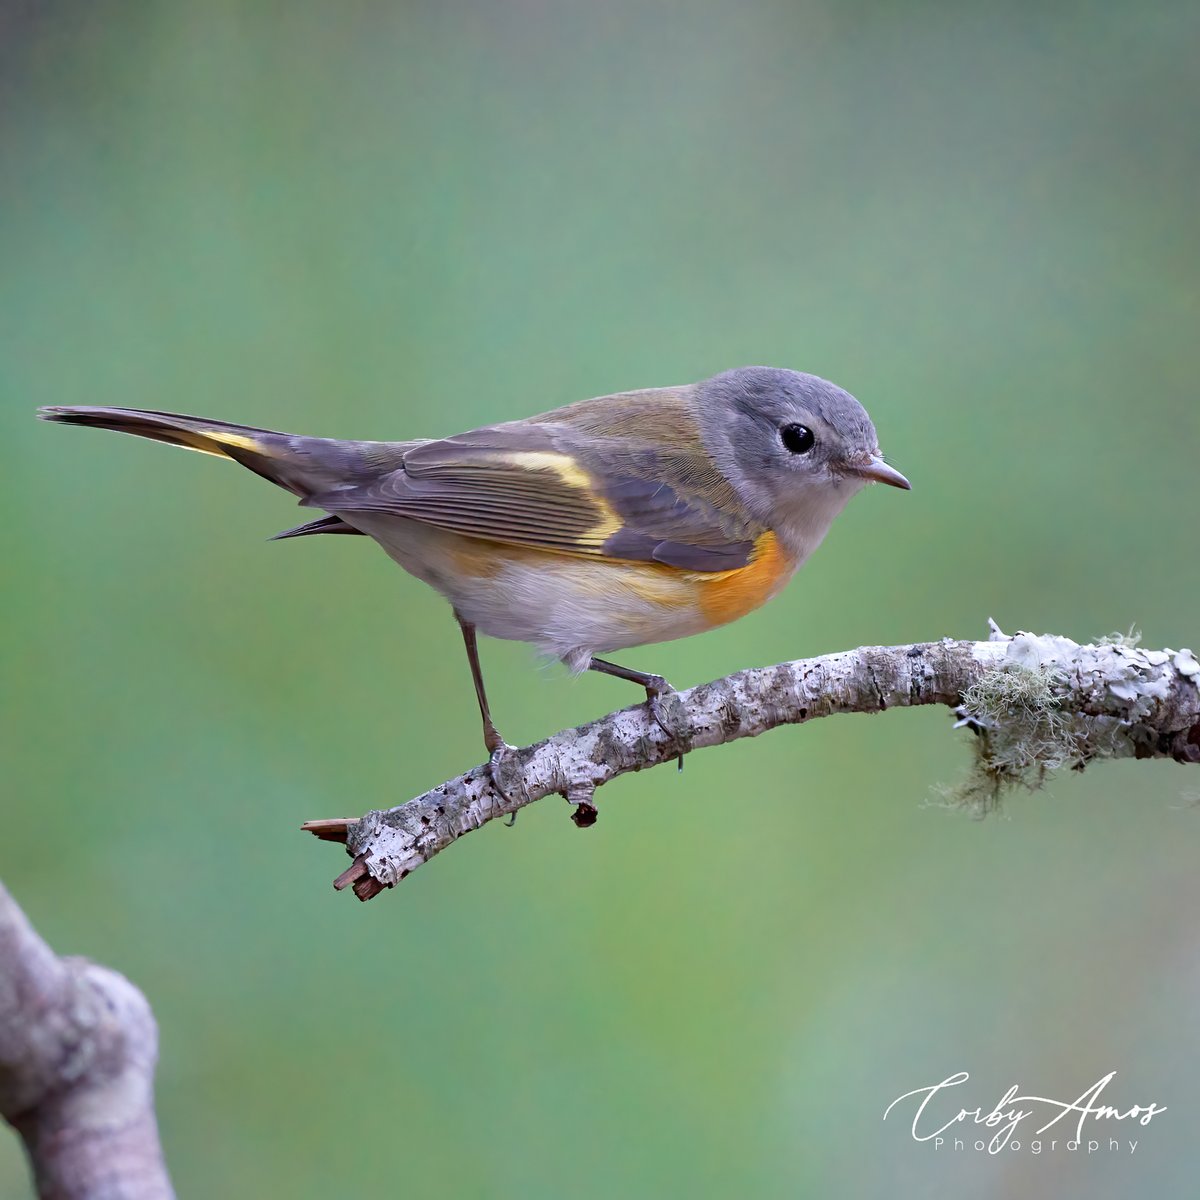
{"x":78,"y":1046}
{"x":1035,"y":704}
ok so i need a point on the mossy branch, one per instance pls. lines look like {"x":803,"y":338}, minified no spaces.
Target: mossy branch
{"x":1034,"y":703}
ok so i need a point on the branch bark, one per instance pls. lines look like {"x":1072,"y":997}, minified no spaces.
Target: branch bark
{"x":78,"y":1044}
{"x":1035,"y":703}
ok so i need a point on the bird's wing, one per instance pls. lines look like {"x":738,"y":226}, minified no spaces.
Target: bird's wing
{"x":552,"y":483}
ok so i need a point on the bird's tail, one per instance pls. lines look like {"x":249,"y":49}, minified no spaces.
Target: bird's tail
{"x":303,"y":465}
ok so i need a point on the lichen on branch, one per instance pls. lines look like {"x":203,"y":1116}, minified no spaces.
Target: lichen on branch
{"x":1052,"y":703}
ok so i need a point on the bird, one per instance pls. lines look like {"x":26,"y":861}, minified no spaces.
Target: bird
{"x":609,"y":523}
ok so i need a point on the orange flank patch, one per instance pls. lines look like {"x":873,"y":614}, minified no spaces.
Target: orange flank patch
{"x":716,"y":597}
{"x":725,"y":596}
{"x":478,"y":558}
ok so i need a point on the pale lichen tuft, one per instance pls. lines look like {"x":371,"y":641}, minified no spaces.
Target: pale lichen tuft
{"x":1022,"y":735}
{"x":1130,"y":640}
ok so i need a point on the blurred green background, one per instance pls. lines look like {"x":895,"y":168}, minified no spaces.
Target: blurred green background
{"x":374,"y":220}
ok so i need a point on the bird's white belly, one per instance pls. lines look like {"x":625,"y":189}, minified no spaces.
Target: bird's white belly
{"x":565,"y":605}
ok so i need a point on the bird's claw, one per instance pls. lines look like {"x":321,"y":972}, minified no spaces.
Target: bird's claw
{"x":670,"y":714}
{"x":508,"y":776}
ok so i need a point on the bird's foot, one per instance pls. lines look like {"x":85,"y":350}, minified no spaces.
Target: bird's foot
{"x":508,"y":776}
{"x":669,"y":713}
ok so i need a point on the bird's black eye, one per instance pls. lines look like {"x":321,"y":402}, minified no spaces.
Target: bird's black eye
{"x":799,"y":439}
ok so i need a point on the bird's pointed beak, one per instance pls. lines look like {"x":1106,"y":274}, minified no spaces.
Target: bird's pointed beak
{"x":878,"y":471}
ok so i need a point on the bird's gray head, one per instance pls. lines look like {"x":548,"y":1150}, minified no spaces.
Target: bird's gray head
{"x":795,"y":447}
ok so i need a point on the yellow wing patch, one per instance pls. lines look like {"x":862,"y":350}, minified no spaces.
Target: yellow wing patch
{"x":574,"y":476}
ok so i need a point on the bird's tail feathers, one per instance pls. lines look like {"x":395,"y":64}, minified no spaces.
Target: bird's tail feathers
{"x":300,"y":464}
{"x":321,"y":525}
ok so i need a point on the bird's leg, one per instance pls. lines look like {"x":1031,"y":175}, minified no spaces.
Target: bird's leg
{"x":491,"y":735}
{"x":507,"y":774}
{"x":665,"y":705}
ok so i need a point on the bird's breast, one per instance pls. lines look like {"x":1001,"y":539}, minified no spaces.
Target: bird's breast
{"x":724,"y":596}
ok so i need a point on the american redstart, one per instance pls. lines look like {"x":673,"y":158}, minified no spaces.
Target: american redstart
{"x":614,"y":522}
